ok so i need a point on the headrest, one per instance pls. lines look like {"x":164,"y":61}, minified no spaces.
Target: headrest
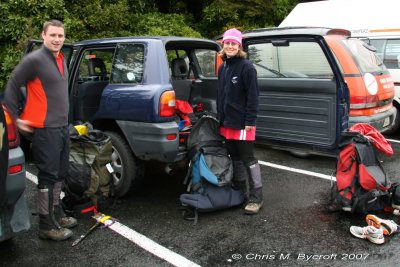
{"x":179,"y":68}
{"x":97,"y":67}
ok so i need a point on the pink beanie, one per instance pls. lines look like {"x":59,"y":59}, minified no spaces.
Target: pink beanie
{"x":233,"y":35}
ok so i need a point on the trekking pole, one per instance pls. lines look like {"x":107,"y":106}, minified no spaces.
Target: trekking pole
{"x":98,"y":223}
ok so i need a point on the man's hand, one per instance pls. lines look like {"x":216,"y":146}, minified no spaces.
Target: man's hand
{"x":24,"y":126}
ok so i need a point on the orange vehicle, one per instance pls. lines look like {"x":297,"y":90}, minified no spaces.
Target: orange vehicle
{"x":374,"y":22}
{"x":314,"y":84}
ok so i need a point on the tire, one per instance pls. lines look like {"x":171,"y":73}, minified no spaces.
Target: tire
{"x":128,"y":170}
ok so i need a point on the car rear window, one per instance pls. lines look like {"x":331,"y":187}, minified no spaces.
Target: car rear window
{"x":364,"y":55}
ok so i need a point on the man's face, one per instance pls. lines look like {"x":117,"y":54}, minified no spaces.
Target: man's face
{"x":53,"y":38}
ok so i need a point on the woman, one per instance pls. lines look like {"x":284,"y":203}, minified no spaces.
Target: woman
{"x":237,"y":106}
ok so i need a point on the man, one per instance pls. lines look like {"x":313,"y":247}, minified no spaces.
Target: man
{"x":44,"y":118}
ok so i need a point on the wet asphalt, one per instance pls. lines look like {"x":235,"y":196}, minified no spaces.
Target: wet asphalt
{"x":293,"y":229}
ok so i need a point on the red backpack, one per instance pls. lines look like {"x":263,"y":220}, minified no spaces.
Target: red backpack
{"x":361,"y":182}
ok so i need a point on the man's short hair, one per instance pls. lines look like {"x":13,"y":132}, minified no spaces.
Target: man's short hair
{"x":53,"y":22}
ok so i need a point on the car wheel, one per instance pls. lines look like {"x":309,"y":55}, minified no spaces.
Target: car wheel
{"x":128,"y":170}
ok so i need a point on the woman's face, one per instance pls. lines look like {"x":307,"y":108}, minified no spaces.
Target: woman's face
{"x":231,"y":48}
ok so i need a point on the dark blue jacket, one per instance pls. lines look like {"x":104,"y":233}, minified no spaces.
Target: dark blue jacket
{"x":237,"y":102}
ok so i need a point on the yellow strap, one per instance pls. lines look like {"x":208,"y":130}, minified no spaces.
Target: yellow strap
{"x":103,"y":218}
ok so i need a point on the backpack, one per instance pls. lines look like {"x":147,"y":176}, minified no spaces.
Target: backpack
{"x":362,"y":184}
{"x":88,"y":184}
{"x":210,"y":170}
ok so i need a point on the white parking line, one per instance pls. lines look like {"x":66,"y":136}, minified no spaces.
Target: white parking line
{"x":141,"y":240}
{"x":393,"y":141}
{"x":315,"y":174}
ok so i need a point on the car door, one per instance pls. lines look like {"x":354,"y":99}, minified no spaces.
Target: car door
{"x":302,"y":93}
{"x":3,"y":156}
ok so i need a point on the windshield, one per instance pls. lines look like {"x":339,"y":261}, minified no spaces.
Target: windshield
{"x":363,"y":54}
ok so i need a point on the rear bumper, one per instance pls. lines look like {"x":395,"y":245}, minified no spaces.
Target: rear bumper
{"x":16,"y":182}
{"x":382,"y":121}
{"x":149,"y":141}
{"x":15,"y":216}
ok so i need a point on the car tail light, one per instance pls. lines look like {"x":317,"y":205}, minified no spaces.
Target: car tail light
{"x":15,"y":169}
{"x":171,"y":137}
{"x":13,"y":136}
{"x":167,"y":104}
{"x":361,"y":102}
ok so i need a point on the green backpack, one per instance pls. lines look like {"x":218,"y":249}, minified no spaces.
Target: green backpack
{"x":89,"y":178}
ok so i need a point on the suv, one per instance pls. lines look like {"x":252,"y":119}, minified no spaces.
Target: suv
{"x":14,"y":216}
{"x":128,"y":86}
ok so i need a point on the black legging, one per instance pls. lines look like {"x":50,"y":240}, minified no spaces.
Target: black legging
{"x":241,"y":150}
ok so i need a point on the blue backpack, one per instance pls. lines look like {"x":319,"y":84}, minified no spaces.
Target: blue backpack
{"x":210,"y":173}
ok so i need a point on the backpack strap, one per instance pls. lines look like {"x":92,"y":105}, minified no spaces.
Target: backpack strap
{"x":340,"y":198}
{"x":186,"y":181}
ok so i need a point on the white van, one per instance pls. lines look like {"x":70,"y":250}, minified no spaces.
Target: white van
{"x":374,"y":21}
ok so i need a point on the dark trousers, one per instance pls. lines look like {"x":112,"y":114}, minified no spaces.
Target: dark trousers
{"x":50,"y":150}
{"x":241,"y":150}
{"x":246,"y":168}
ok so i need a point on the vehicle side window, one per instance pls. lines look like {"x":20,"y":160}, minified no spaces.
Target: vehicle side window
{"x":128,"y":64}
{"x":388,"y":51}
{"x":95,"y":65}
{"x":295,"y":60}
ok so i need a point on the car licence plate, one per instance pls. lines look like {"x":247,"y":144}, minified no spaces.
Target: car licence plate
{"x":386,"y":122}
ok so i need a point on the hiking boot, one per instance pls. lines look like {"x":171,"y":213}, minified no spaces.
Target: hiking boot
{"x":369,"y":232}
{"x":62,"y":219}
{"x":49,"y":228}
{"x":67,"y":222}
{"x":389,"y":227}
{"x":253,"y":207}
{"x":55,"y":234}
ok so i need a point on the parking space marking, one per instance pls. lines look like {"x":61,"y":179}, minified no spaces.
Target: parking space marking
{"x":393,"y":141}
{"x":151,"y":246}
{"x":31,"y":177}
{"x":310,"y":173}
{"x":141,"y":240}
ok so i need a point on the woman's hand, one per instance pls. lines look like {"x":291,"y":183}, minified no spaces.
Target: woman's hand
{"x":249,"y":128}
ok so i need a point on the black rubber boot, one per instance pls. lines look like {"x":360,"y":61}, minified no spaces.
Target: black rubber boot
{"x":62,"y":219}
{"x":48,"y":226}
